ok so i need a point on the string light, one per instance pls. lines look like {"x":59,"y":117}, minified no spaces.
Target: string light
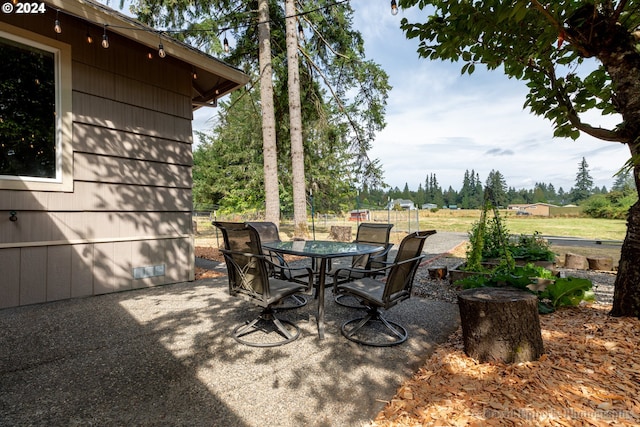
{"x":194,"y":74}
{"x":394,"y":8}
{"x":56,"y":25}
{"x":225,"y":44}
{"x":105,"y":38}
{"x":162,"y":53}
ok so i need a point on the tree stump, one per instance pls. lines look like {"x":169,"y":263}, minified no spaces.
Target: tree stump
{"x":500,"y":324}
{"x":340,"y":233}
{"x":600,"y":263}
{"x":437,"y":272}
{"x":575,"y":261}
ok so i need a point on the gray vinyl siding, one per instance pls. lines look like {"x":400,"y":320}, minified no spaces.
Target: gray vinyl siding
{"x":131,"y":200}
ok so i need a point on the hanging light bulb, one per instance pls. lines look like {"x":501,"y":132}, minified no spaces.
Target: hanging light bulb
{"x":89,"y":38}
{"x":300,"y":31}
{"x":161,"y":52}
{"x":194,"y":74}
{"x":56,"y":25}
{"x":149,"y":55}
{"x":105,"y":38}
{"x":225,"y":44}
{"x":394,"y":7}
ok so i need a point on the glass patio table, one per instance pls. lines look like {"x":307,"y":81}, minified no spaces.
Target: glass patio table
{"x":321,"y":250}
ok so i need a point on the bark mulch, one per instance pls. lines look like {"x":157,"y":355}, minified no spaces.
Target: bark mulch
{"x":212,"y":254}
{"x":588,"y":376}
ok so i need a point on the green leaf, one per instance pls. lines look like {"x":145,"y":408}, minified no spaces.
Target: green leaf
{"x":569,"y":291}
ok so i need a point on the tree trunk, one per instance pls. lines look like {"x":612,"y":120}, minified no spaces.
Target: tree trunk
{"x":617,"y":51}
{"x":271,"y":190}
{"x":500,"y":324}
{"x":575,"y":261}
{"x":301,"y":229}
{"x":603,"y":263}
{"x":340,"y":233}
{"x":626,"y":296}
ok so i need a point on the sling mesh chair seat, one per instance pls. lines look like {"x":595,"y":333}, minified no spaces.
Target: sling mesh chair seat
{"x":278,"y":267}
{"x":365,"y":265}
{"x":248,"y":269}
{"x":373,"y":329}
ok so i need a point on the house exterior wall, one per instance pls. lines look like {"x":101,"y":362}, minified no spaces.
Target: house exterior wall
{"x":126,"y":223}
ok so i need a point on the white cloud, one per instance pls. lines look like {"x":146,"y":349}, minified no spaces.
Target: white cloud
{"x":444,"y":123}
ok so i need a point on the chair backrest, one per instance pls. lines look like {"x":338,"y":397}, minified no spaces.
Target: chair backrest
{"x":243,"y":255}
{"x":372,"y":233}
{"x":400,"y":279}
{"x":267,"y":230}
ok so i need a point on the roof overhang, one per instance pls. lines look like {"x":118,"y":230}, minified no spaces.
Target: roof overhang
{"x":214,"y":78}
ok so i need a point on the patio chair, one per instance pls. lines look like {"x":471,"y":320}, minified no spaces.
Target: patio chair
{"x":268,"y":232}
{"x":247,"y":269}
{"x":361,"y":265}
{"x":373,"y":329}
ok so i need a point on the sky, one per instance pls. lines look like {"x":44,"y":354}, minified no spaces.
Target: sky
{"x":443,"y":123}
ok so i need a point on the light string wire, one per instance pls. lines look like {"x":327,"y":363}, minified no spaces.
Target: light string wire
{"x":217,"y":31}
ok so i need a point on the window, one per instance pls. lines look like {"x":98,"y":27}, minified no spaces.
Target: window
{"x":35,"y":113}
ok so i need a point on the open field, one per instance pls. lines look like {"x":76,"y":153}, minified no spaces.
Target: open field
{"x":458,"y":221}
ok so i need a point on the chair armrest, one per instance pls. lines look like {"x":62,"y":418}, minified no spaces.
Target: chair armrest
{"x":383,"y":253}
{"x":374,"y":271}
{"x":293,"y":277}
{"x":266,"y":259}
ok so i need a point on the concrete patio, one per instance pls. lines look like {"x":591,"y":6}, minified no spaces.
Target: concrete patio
{"x":165,"y":356}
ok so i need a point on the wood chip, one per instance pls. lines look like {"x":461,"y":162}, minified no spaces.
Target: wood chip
{"x":589,"y":376}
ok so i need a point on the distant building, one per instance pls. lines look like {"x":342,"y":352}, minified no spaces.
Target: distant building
{"x":360,"y":215}
{"x":538,"y":209}
{"x":429,"y":206}
{"x":403,"y":203}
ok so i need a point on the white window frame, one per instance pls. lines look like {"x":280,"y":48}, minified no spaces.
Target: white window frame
{"x":63,"y":180}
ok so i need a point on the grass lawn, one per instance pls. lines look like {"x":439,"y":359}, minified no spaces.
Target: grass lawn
{"x":461,"y":221}
{"x":458,"y":221}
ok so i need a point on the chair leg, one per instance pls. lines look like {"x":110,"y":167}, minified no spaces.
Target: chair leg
{"x":269,"y":325}
{"x":363,"y":321}
{"x":398,"y":333}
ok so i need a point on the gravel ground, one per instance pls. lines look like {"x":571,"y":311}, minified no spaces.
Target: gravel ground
{"x":442,"y":290}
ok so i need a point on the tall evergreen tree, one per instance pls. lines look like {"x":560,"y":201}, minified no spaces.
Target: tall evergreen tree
{"x":624,"y":181}
{"x":345,"y":94}
{"x":498,"y":188}
{"x":450,"y":197}
{"x":584,"y":183}
{"x":269,"y":147}
{"x":562,"y":196}
{"x":300,"y":229}
{"x":551,"y":194}
{"x":464,"y":196}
